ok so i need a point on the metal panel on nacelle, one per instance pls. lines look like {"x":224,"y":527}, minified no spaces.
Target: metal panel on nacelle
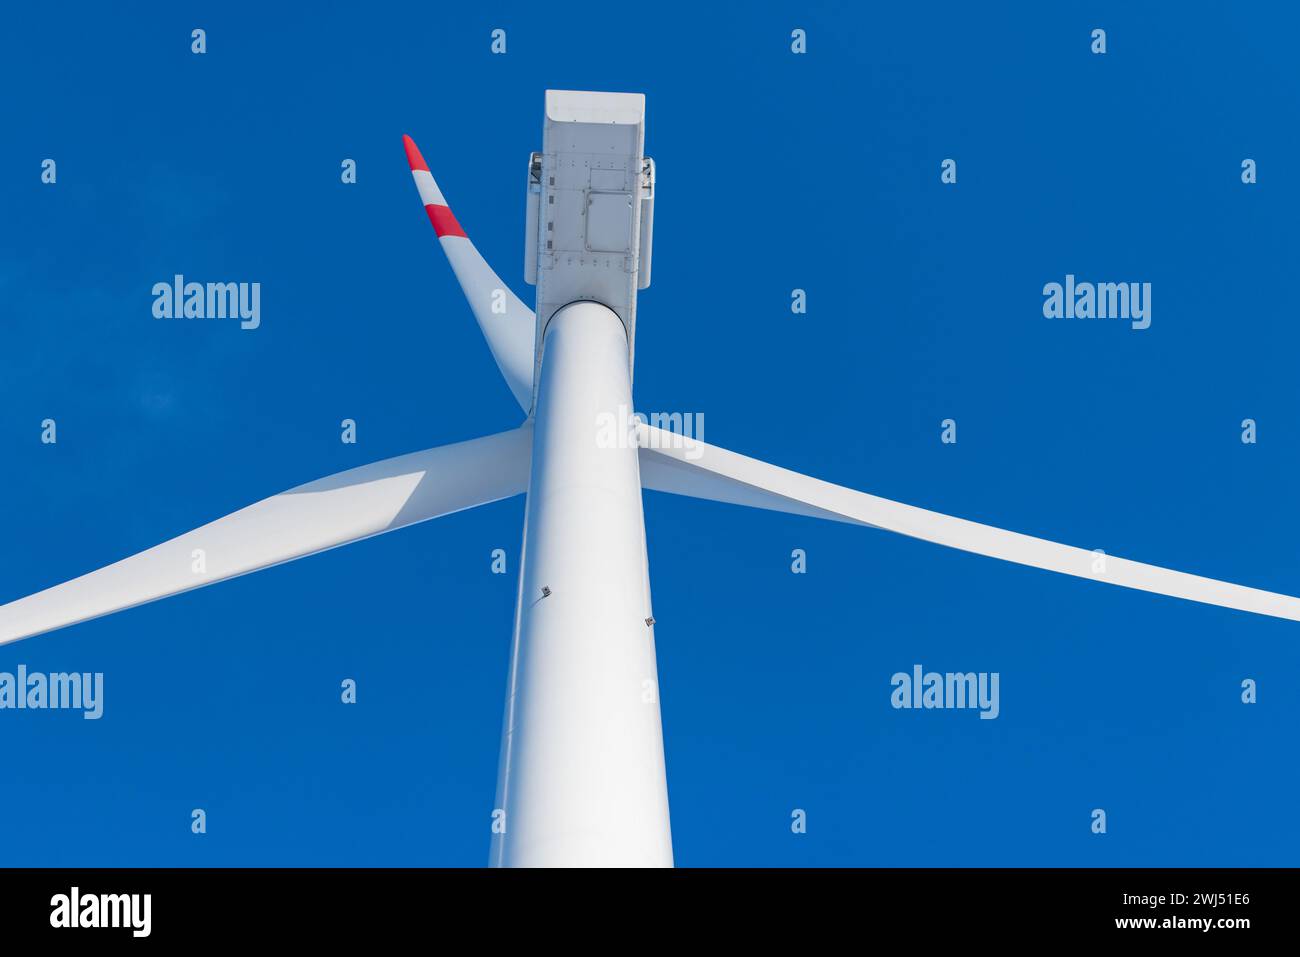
{"x":589,"y":188}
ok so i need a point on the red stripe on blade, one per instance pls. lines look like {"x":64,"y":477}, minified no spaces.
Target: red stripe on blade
{"x":413,"y":154}
{"x":444,"y":223}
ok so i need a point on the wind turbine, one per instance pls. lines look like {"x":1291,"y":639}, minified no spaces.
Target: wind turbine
{"x":581,"y":779}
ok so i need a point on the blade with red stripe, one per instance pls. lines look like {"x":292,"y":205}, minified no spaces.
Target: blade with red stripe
{"x":507,"y":323}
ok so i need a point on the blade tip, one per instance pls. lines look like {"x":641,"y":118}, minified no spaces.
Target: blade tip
{"x":413,"y":156}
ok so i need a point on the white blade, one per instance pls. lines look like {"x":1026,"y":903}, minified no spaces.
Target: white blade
{"x":507,"y":324}
{"x":324,"y":514}
{"x":671,"y":463}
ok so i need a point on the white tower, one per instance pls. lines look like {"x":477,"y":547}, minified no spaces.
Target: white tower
{"x":582,"y":764}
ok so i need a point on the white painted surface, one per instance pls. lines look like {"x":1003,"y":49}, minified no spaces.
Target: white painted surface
{"x":700,"y":470}
{"x":589,"y":206}
{"x":590,"y":106}
{"x":507,"y":323}
{"x":582,"y":766}
{"x":311,"y":518}
{"x":430,"y":194}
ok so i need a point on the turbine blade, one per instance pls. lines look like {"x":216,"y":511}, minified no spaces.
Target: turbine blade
{"x":671,"y":463}
{"x":329,"y":512}
{"x":507,"y":324}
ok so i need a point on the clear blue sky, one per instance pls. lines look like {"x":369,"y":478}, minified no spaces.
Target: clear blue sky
{"x":775,"y":171}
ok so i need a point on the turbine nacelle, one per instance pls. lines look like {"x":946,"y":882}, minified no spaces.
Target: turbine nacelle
{"x":590,"y":207}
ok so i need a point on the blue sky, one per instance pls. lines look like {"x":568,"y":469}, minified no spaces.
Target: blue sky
{"x":775,"y":172}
